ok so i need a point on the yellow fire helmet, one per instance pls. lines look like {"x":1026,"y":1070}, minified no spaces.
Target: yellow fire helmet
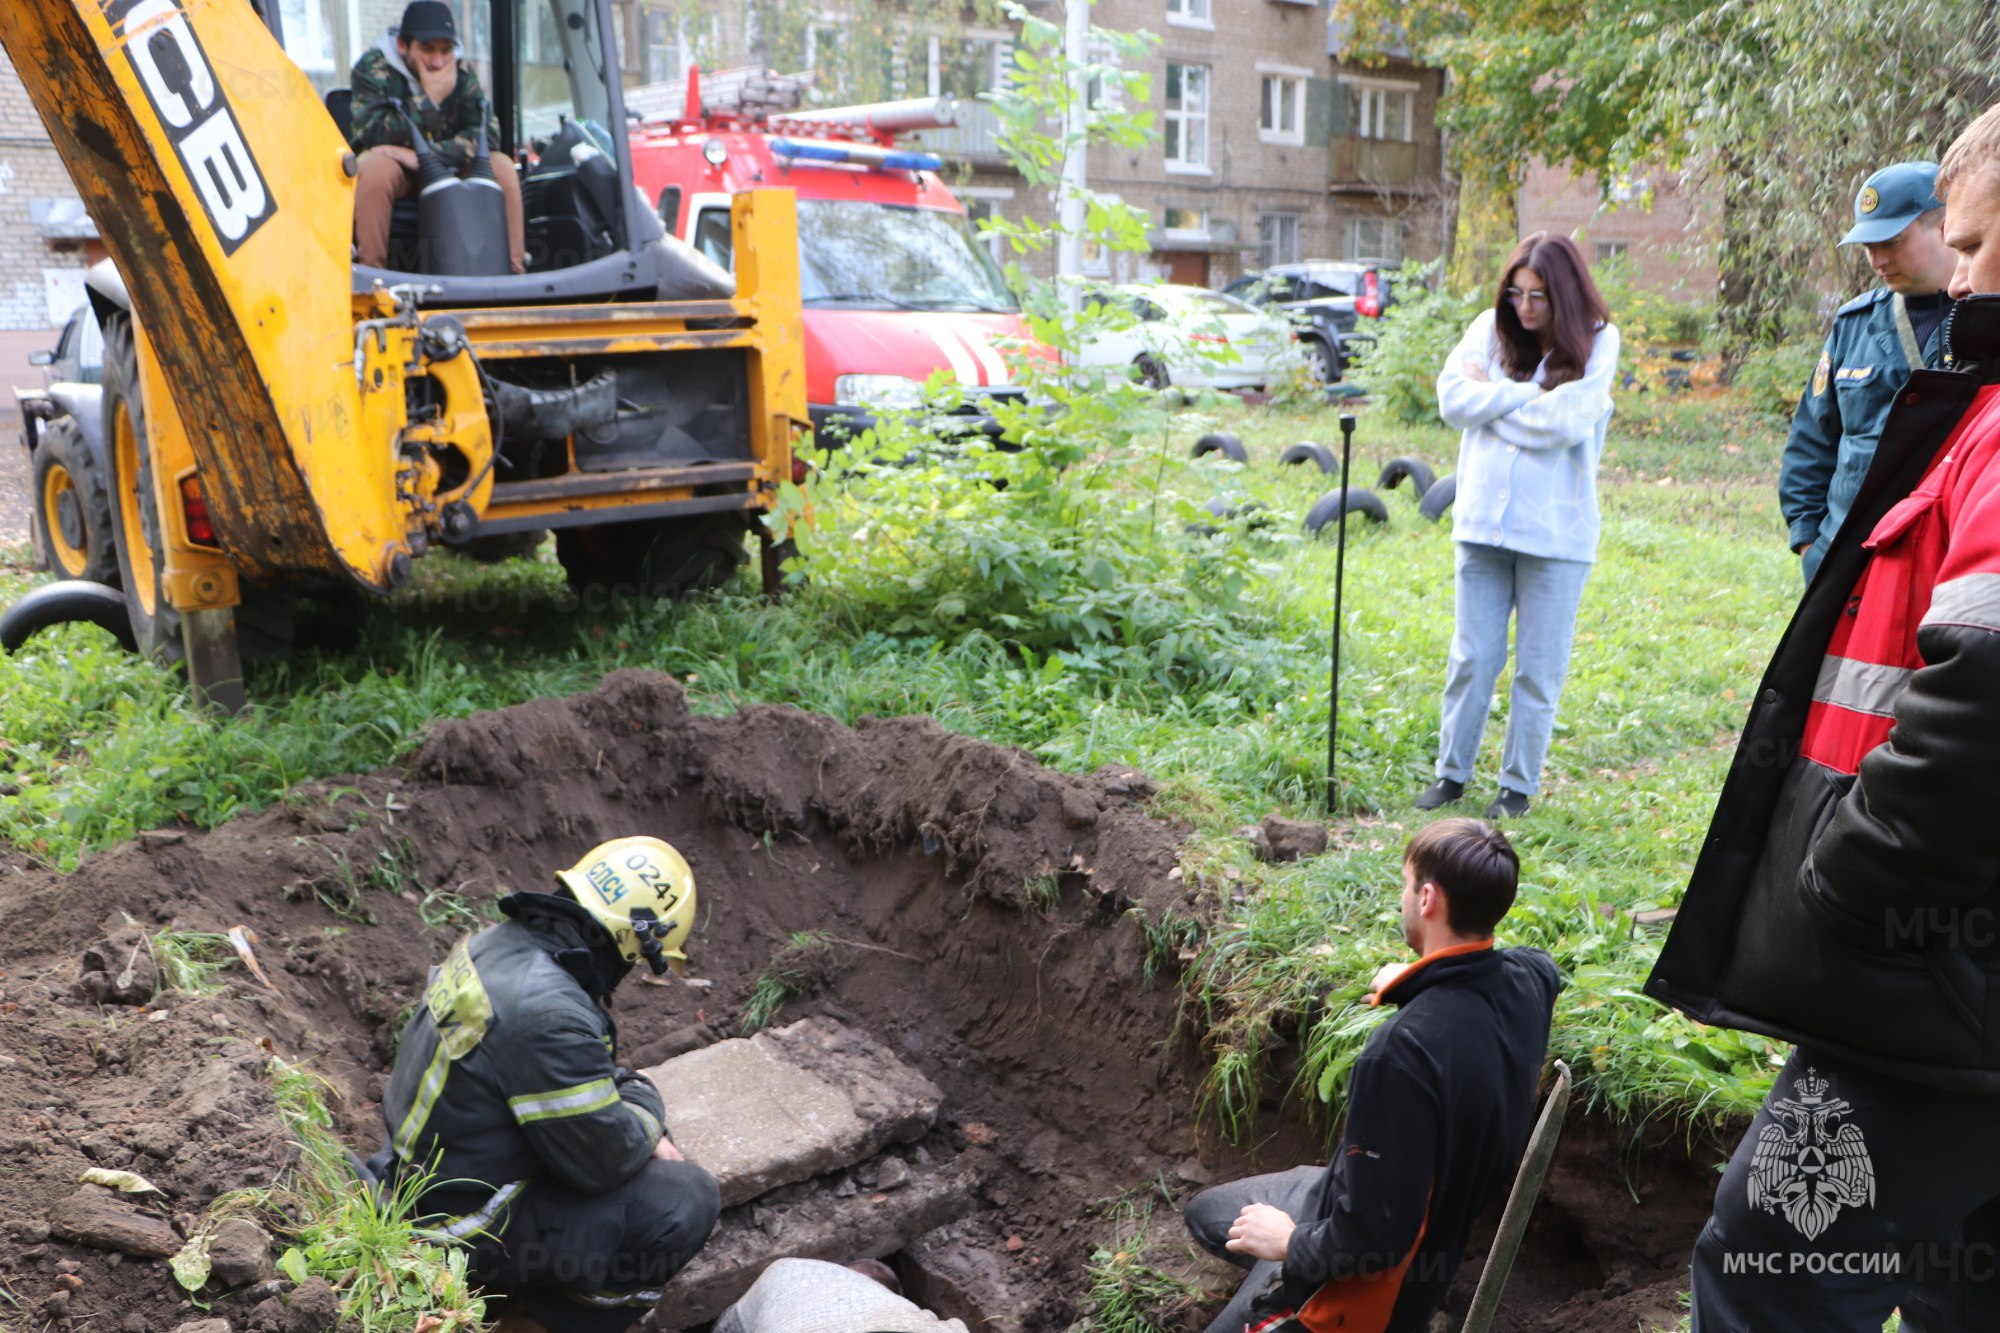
{"x":642,"y":892}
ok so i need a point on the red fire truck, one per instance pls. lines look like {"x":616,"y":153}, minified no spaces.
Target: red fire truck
{"x":895,"y":283}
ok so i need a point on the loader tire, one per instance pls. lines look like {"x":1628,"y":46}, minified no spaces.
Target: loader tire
{"x":505,"y":546}
{"x":135,"y":519}
{"x":72,"y":517}
{"x":667,"y":558}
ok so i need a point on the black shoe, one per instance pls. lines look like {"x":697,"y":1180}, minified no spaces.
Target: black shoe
{"x":1507,"y":805}
{"x":1442,"y":792}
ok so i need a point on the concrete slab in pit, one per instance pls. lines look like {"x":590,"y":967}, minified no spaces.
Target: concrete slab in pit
{"x":788,"y":1105}
{"x":821,"y":1223}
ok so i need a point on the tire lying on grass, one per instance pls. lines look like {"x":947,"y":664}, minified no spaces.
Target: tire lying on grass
{"x":79,"y":600}
{"x":1416,"y":469}
{"x":1220,"y":442}
{"x":1353,"y":499}
{"x":1305,"y":451}
{"x":1438,"y":498}
{"x":1253,"y":514}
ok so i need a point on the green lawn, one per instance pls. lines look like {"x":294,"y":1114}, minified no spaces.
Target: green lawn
{"x":1222,"y":698}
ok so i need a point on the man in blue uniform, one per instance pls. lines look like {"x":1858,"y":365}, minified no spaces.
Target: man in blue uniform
{"x":1878,"y":338}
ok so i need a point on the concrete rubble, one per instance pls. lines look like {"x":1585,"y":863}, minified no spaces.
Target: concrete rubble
{"x":788,"y":1105}
{"x":800,"y":1127}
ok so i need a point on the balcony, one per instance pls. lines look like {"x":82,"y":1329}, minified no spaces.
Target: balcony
{"x":1359,"y":164}
{"x":974,"y":140}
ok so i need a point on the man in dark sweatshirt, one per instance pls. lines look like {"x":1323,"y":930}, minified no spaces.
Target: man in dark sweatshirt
{"x":1438,"y":1114}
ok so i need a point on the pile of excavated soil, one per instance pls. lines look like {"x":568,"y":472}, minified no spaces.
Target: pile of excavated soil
{"x":924,"y":856}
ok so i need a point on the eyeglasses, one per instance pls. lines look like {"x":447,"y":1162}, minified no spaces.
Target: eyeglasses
{"x":1537,"y":298}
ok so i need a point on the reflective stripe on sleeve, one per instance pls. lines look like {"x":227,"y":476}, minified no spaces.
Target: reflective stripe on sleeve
{"x":428,"y":1088}
{"x":1860,"y":687}
{"x":652,"y":1126}
{"x":583,"y":1099}
{"x":460,"y":1227}
{"x":1972,"y":600}
{"x":607,"y":1301}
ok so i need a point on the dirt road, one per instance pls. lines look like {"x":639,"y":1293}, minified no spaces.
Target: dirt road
{"x":13,"y":481}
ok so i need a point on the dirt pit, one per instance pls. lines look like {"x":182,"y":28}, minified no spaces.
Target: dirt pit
{"x":975,"y":924}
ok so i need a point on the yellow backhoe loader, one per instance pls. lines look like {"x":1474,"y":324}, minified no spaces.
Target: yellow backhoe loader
{"x":278,"y":419}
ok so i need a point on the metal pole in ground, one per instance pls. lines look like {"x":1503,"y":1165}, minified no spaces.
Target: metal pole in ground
{"x":1520,"y":1203}
{"x":1339,"y":583}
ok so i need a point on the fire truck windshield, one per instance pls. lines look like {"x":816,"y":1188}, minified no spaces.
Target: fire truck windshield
{"x":853,"y":252}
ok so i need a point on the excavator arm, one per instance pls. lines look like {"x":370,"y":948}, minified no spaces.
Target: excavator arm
{"x":224,"y":193}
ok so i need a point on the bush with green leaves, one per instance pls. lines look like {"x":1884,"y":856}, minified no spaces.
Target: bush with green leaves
{"x":1091,"y":563}
{"x":1065,"y":542}
{"x":1772,"y":378}
{"x":1412,"y":339}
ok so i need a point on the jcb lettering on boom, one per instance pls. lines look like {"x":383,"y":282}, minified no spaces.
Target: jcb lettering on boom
{"x":174,"y":71}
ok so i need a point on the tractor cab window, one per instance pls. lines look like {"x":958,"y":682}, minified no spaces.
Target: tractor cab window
{"x":712,"y":237}
{"x":557,"y":69}
{"x":549,"y":71}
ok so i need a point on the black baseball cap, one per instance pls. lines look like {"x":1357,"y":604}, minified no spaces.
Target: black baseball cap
{"x":426,"y":21}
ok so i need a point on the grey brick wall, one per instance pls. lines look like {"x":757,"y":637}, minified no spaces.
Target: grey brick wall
{"x":29,"y":170}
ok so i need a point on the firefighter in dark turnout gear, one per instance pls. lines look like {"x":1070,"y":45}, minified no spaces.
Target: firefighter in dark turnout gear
{"x":543,"y":1154}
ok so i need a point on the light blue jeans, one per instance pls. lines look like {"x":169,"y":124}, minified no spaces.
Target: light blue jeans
{"x":1542,"y":596}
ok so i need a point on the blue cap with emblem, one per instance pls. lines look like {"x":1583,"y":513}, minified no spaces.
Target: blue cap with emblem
{"x":1891,"y":200}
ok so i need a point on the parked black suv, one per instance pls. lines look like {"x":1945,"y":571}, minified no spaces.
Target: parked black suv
{"x":1327,"y":300}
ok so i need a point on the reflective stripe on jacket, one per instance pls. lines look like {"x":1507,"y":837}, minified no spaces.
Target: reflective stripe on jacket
{"x":1848,"y":893}
{"x":506,"y":1075}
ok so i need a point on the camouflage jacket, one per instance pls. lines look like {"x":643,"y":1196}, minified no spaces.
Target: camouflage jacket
{"x":380,"y":81}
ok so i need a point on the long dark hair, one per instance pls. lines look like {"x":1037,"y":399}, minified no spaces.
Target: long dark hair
{"x":1577,"y":311}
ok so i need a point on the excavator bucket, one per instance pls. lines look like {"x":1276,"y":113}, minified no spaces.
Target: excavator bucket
{"x":224,"y":193}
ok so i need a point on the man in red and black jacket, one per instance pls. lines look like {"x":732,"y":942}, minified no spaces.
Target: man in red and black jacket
{"x":1438,"y":1112}
{"x":1847,"y":897}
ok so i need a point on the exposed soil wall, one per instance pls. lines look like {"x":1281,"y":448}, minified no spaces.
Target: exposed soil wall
{"x":981,"y":908}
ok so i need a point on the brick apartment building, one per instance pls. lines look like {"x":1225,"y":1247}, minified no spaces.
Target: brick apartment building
{"x":1655,"y":218}
{"x":1271,"y":148}
{"x":46,"y":239}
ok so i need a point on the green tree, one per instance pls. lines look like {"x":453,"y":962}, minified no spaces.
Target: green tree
{"x":1787,"y":106}
{"x":1555,"y":79}
{"x":1782,"y":107}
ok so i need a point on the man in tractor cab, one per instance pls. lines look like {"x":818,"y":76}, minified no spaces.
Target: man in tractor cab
{"x":417,"y":66}
{"x":508,"y":1108}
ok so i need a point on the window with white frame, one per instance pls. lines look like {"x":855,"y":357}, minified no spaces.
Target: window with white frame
{"x":1186,"y":129}
{"x":966,"y":66}
{"x":1604,"y":250}
{"x":673,"y":42}
{"x":1375,"y":240}
{"x":1382,"y":110}
{"x":308,"y":35}
{"x":824,"y":40}
{"x":1185,"y":224}
{"x":1096,"y":254}
{"x":1190,"y":13}
{"x":1277,"y":239}
{"x":1103,"y":91}
{"x":1281,"y":109}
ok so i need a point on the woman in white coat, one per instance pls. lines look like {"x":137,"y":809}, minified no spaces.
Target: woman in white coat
{"x":1530,"y":387}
